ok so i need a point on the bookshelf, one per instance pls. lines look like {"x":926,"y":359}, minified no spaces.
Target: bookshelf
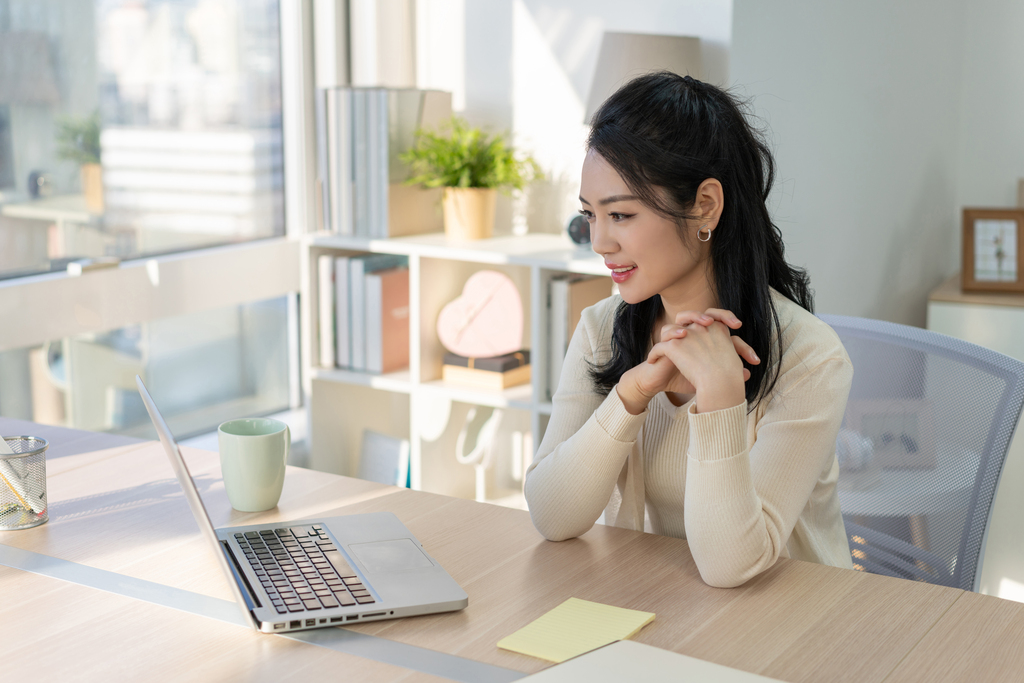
{"x":415,"y":403}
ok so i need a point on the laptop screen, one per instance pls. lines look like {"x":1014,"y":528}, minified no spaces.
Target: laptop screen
{"x":195,"y":503}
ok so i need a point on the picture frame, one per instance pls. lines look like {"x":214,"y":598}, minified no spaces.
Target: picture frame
{"x":901,"y":431}
{"x":993,"y":250}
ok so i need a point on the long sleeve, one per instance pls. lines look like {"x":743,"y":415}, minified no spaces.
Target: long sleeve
{"x":744,"y":488}
{"x":742,"y":501}
{"x":588,"y":439}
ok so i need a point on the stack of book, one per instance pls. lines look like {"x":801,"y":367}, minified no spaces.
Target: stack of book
{"x":361,"y":134}
{"x":568,"y":295}
{"x":384,"y":459}
{"x":497,"y":372}
{"x":364,"y":312}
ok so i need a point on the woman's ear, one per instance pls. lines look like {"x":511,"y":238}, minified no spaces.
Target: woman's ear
{"x":710,"y":202}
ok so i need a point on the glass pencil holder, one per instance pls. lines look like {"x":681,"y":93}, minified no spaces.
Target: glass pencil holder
{"x":23,"y":483}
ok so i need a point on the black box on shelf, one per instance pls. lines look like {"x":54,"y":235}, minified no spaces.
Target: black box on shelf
{"x":495,"y":372}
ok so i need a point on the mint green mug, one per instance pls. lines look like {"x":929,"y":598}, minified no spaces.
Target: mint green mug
{"x":253,"y":453}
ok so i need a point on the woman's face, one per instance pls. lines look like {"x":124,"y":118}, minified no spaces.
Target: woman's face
{"x":643,"y":249}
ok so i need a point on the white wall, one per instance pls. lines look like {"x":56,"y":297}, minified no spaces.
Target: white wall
{"x":862,"y":101}
{"x":991,"y":140}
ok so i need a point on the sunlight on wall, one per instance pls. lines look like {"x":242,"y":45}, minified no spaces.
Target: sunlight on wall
{"x":441,"y":48}
{"x":547,"y":113}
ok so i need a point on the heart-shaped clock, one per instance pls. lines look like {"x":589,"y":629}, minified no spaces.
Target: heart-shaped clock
{"x":485,"y":320}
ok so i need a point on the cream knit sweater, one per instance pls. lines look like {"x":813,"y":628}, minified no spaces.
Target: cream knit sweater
{"x":743,"y":488}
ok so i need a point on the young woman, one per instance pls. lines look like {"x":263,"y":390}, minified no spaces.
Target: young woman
{"x":706,"y":392}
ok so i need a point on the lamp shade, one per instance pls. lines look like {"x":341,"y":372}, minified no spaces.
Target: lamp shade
{"x":624,"y":56}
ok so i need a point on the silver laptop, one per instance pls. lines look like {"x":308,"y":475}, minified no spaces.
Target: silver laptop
{"x":306,"y":574}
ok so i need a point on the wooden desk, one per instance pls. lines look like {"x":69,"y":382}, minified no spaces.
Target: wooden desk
{"x":978,"y":639}
{"x":120,"y":510}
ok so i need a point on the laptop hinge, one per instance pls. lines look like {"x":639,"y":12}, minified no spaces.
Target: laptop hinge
{"x":252,"y":599}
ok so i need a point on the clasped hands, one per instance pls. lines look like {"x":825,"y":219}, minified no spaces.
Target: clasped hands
{"x":696,"y":354}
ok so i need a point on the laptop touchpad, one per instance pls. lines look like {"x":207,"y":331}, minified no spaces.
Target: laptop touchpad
{"x":391,"y":556}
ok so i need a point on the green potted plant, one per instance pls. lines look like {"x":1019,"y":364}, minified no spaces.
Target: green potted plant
{"x":78,"y":140}
{"x":472,"y":167}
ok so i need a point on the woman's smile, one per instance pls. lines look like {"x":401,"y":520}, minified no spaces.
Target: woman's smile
{"x":620,"y":273}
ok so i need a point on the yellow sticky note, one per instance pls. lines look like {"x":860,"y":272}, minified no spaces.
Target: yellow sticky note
{"x":574,"y":627}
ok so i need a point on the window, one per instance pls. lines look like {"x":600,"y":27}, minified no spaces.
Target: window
{"x":130,"y":128}
{"x":149,"y":131}
{"x":202,"y":368}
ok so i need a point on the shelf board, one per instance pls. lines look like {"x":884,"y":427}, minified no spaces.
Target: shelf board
{"x":545,"y":250}
{"x":572,"y":260}
{"x":519,"y":397}
{"x":400,"y":381}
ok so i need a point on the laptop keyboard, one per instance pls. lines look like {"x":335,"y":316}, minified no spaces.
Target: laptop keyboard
{"x":301,"y":569}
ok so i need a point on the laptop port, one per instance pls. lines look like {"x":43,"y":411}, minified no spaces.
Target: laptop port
{"x":352,"y":618}
{"x":310,"y":622}
{"x":375,"y":614}
{"x":278,"y":626}
{"x":335,"y":620}
{"x":295,"y":624}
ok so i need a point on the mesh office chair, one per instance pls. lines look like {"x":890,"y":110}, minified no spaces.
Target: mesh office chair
{"x":924,"y":437}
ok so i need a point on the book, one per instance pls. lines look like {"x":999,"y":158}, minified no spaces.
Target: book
{"x":342,"y":313}
{"x":325,"y":278}
{"x":406,"y":210}
{"x":558,"y":342}
{"x":373,"y":131}
{"x":367,"y":131}
{"x":568,"y":295}
{"x":496,"y":372}
{"x":384,"y":459}
{"x":339,"y":162}
{"x":323,"y":190}
{"x":585,"y":291}
{"x":486,"y":379}
{"x":387,"y":320}
{"x":359,"y":266}
{"x":360,"y":164}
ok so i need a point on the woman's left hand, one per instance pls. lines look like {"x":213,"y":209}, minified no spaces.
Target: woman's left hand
{"x":705,"y":352}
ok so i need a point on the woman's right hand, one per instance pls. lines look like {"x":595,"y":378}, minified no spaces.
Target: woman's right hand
{"x":639,"y":385}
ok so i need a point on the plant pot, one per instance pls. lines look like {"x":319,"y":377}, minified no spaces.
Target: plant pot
{"x":92,"y":187}
{"x":469,"y":212}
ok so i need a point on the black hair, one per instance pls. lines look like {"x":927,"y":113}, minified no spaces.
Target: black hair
{"x":666,"y":134}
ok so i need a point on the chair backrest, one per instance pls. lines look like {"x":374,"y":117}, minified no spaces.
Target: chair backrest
{"x":921,"y":449}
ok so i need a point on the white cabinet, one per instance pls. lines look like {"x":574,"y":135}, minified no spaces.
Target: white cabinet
{"x":415,"y":403}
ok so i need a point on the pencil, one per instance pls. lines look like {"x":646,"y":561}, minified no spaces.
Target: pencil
{"x":16,"y":494}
